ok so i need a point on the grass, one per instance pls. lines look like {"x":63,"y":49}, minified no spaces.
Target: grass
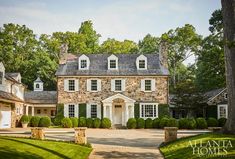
{"x":25,"y":148}
{"x":182,"y":148}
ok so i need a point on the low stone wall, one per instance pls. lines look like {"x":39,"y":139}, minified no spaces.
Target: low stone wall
{"x":170,"y":133}
{"x":80,"y":135}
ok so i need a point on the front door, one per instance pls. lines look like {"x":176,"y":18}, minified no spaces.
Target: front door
{"x":118,"y":114}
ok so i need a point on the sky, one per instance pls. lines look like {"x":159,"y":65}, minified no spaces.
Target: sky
{"x":119,"y":19}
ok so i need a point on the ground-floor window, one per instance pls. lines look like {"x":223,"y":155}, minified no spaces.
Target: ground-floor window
{"x":93,"y":111}
{"x":148,"y":110}
{"x":52,"y":112}
{"x":71,"y":110}
{"x":222,"y":111}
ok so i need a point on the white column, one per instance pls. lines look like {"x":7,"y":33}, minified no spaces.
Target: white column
{"x":132,"y":110}
{"x":110,"y":113}
{"x":32,"y":111}
{"x":126,"y":112}
{"x":27,"y":110}
{"x":104,"y":111}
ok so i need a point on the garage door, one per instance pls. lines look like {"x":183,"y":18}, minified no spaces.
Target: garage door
{"x":5,"y":117}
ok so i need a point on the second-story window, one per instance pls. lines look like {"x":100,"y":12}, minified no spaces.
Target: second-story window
{"x":147,"y":85}
{"x":141,"y":64}
{"x":113,"y":64}
{"x":118,"y":85}
{"x":93,"y":85}
{"x":71,"y":85}
{"x":83,"y":63}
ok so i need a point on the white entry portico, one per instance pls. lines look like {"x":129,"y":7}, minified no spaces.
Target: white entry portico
{"x":118,"y":108}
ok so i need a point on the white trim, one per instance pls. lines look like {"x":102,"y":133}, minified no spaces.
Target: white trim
{"x":141,"y":57}
{"x":110,"y":99}
{"x":83,"y":57}
{"x":113,"y":57}
{"x":218,"y":110}
{"x":153,"y":85}
{"x":113,"y":85}
{"x":140,"y":110}
{"x":66,"y":84}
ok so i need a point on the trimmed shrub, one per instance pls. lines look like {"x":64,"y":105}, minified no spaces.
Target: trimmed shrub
{"x":74,"y":121}
{"x":66,"y":123}
{"x":148,"y":123}
{"x":212,"y":122}
{"x":89,"y":122}
{"x":201,"y":123}
{"x":183,"y":123}
{"x":57,"y":119}
{"x":24,"y":119}
{"x":140,"y":123}
{"x":45,"y":122}
{"x":222,"y":121}
{"x":82,"y":122}
{"x":96,"y":123}
{"x":105,"y":123}
{"x":192,"y":124}
{"x":163,"y":122}
{"x":34,"y":122}
{"x":156,"y":122}
{"x":172,"y":122}
{"x":131,"y":123}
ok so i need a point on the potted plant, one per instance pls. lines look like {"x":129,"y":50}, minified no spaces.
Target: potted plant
{"x":24,"y":121}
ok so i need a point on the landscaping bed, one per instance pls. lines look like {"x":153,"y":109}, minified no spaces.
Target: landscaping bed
{"x":11,"y":147}
{"x":200,"y":146}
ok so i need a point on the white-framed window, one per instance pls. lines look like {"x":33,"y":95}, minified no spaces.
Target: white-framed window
{"x":93,"y":111}
{"x":222,"y":111}
{"x":71,"y":85}
{"x":148,"y":85}
{"x":141,"y":62}
{"x":71,"y":110}
{"x":37,"y":85}
{"x":148,"y":110}
{"x":118,"y":85}
{"x":112,"y":62}
{"x":225,"y":95}
{"x":93,"y":85}
{"x":84,"y":62}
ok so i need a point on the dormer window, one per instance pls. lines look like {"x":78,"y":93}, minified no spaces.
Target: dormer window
{"x":84,"y":62}
{"x":112,"y":62}
{"x":141,"y":62}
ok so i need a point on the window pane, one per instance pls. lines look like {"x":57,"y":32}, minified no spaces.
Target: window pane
{"x":94,"y":85}
{"x":148,"y":85}
{"x":118,"y":85}
{"x":71,"y":110}
{"x":83,"y":64}
{"x":149,"y":111}
{"x":93,"y":111}
{"x":71,"y":85}
{"x":222,"y":111}
{"x":141,"y":63}
{"x":112,"y":63}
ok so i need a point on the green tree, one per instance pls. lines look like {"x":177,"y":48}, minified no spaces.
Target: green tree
{"x":115,"y":46}
{"x":182,"y":43}
{"x":149,"y":44}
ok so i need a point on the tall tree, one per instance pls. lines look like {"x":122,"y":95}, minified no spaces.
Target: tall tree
{"x":182,"y":43}
{"x":149,"y":44}
{"x":228,"y":10}
{"x":115,"y":46}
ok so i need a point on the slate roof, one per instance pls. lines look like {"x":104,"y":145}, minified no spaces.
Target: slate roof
{"x":12,"y":76}
{"x":126,"y":66}
{"x":9,"y":96}
{"x":211,"y":94}
{"x":41,"y":97}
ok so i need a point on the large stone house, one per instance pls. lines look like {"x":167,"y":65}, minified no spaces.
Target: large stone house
{"x":116,"y":86}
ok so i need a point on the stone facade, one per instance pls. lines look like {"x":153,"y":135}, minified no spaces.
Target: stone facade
{"x":132,"y":90}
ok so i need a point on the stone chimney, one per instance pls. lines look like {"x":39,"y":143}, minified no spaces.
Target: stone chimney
{"x":63,"y":53}
{"x":163,"y":54}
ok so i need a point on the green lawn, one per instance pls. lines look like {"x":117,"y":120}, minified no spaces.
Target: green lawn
{"x":182,"y":148}
{"x":20,"y":148}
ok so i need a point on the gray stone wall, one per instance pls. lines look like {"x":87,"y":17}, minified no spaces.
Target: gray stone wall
{"x":133,"y":90}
